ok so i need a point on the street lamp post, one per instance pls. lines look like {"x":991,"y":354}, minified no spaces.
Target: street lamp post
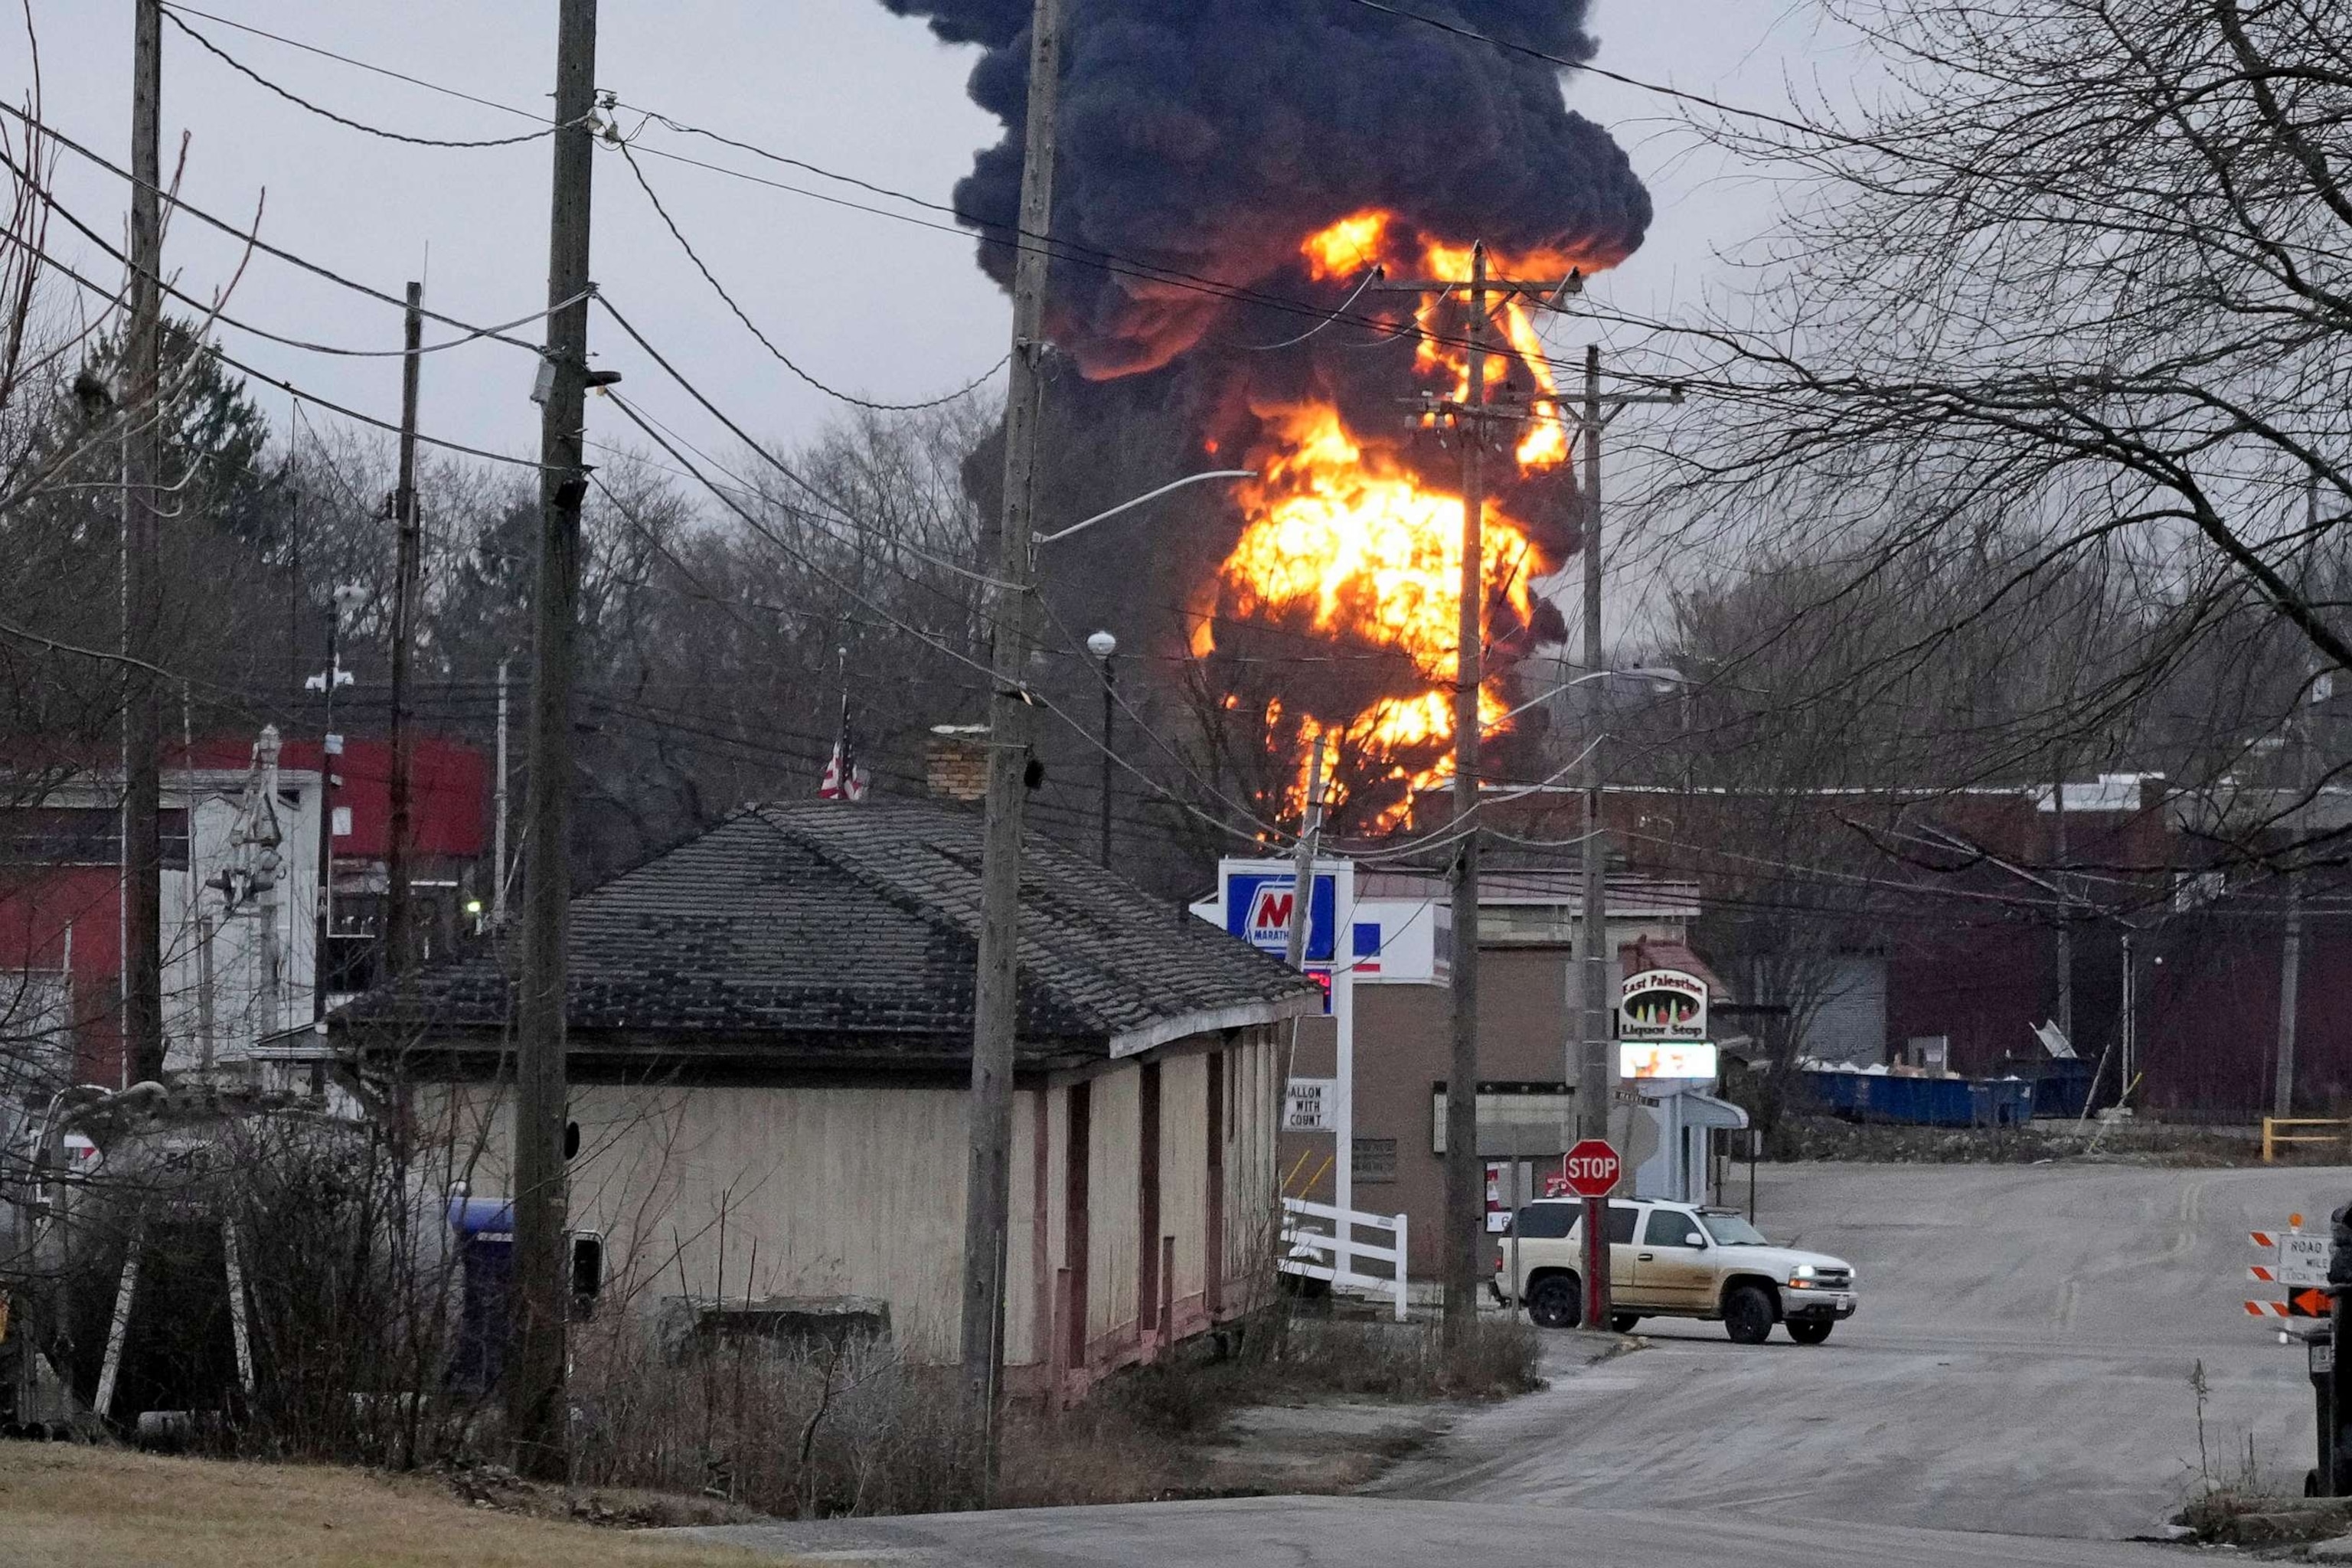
{"x":1105,"y":647}
{"x":330,"y":748}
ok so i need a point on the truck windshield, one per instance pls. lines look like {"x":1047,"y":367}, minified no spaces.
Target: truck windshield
{"x":1730,"y":1230}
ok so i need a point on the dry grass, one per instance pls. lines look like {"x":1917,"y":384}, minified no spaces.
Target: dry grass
{"x":68,"y":1506}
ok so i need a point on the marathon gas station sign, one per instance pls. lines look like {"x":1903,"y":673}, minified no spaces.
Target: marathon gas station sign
{"x":1396,"y":942}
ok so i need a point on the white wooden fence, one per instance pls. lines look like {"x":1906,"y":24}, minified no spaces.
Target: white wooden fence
{"x":1313,"y":1252}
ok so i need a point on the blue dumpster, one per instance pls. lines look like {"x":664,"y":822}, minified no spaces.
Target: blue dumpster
{"x":1922,"y":1101}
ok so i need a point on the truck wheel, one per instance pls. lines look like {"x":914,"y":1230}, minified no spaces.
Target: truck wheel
{"x":1812,"y":1332}
{"x":1557,"y":1301}
{"x":1624,"y":1322}
{"x":1747,"y":1316}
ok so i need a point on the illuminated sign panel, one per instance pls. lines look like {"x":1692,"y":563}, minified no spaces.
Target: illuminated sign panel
{"x":1666,"y":1059}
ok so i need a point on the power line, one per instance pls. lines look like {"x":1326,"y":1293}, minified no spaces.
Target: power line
{"x":244,"y":237}
{"x":247,"y":72}
{"x":49,"y":259}
{"x":290,"y":389}
{"x":917,"y":632}
{"x":967,"y":224}
{"x":361,"y":65}
{"x":753,"y":328}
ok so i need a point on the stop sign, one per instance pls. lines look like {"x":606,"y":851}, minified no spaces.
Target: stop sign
{"x":1592,"y":1169}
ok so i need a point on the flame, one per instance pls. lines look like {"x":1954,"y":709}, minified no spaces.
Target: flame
{"x":1345,"y":537}
{"x":1347,"y":246}
{"x":1353,"y":544}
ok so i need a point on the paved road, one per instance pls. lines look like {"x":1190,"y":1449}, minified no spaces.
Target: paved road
{"x":1367,"y":1532}
{"x":2022,"y":1365}
{"x":2021,"y":1362}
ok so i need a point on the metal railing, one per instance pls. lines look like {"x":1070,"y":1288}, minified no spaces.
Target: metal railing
{"x":2272,"y":1138}
{"x":1315,"y":1254}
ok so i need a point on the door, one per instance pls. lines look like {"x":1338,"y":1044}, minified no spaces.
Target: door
{"x":1671,"y":1269}
{"x":1076,"y":1243}
{"x":1621,"y":1253}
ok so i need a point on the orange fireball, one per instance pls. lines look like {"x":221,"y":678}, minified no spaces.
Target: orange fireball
{"x":1344,"y":535}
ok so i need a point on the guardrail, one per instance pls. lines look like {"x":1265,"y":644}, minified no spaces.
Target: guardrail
{"x":1312,"y":1253}
{"x":2272,"y":1138}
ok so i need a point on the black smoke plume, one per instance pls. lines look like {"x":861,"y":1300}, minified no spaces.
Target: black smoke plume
{"x":1208,"y":137}
{"x":1200,"y":142}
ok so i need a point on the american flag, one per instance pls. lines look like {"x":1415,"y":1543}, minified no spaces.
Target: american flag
{"x":844,"y":778}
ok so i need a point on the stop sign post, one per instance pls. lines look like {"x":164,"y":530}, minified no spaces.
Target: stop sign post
{"x":1592,"y":1170}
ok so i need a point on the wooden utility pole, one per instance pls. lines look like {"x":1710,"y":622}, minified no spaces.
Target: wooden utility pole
{"x":535,"y":1370}
{"x":2065,"y":1019}
{"x":989,"y":1174}
{"x":142,"y":570}
{"x":1302,"y":871}
{"x":1594,"y":1065}
{"x":2299,"y":746}
{"x":1465,"y":1191}
{"x":1595,"y":1074}
{"x":499,"y":822}
{"x":399,"y":939}
{"x":1465,"y":1239}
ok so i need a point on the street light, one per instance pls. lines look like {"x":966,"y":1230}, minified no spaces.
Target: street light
{"x":1658,"y":675}
{"x":347,"y":598}
{"x":1104,"y":647}
{"x":1146,"y":496}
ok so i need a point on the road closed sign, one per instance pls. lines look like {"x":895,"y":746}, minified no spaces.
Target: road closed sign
{"x":1592,"y":1169}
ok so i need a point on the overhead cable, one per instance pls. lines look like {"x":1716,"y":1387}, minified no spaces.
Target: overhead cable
{"x":177,"y":203}
{"x":753,"y":327}
{"x":301,"y":102}
{"x":95,"y":238}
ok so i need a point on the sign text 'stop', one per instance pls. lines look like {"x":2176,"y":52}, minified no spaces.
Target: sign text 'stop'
{"x":1592,"y":1169}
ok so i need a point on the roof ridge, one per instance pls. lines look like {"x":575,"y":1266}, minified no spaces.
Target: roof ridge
{"x":1027,"y":934}
{"x":859,"y":872}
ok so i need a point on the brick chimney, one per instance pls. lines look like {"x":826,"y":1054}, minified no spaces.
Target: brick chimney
{"x":955,"y":765}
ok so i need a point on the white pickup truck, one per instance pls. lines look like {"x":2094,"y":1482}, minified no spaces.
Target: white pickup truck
{"x":1673,"y":1260}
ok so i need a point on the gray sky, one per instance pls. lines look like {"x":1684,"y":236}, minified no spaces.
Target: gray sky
{"x":886,"y":308}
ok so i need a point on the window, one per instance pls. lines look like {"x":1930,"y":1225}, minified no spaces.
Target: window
{"x":1672,"y":1228}
{"x":1730,"y":1230}
{"x":1547,"y":1221}
{"x":83,"y":836}
{"x":1553,"y":1221}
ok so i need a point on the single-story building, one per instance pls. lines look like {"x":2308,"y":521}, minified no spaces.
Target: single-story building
{"x":769,"y":1036}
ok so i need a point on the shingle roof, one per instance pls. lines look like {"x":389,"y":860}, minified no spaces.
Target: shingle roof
{"x":848,"y":932}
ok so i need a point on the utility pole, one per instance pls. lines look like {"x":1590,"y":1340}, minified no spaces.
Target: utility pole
{"x":988,"y":1179}
{"x":399,"y":939}
{"x":2066,"y":905}
{"x":2291,"y":937}
{"x":1302,"y":868}
{"x":1465,"y":1199}
{"x":1464,"y":1242}
{"x":1595,"y":1066}
{"x":499,"y":824}
{"x":142,"y":570}
{"x":535,"y":1370}
{"x":1596,"y":1076}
